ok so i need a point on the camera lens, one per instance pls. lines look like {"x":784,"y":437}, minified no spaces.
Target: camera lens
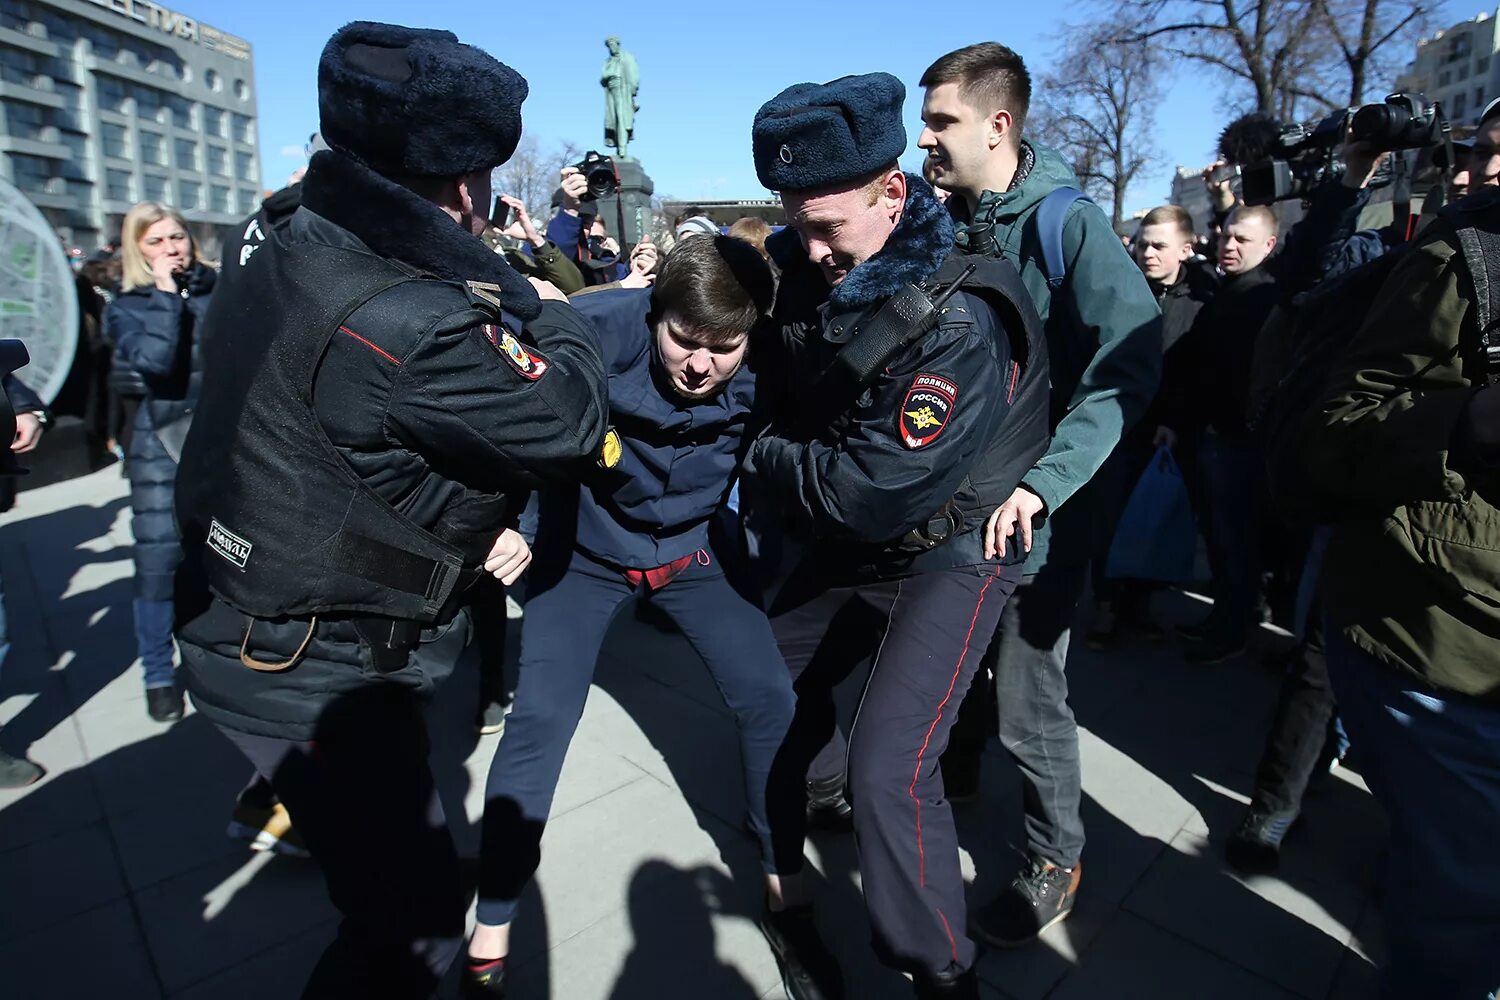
{"x":1380,"y":125}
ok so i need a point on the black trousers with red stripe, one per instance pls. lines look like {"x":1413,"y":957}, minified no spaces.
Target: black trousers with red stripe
{"x":928,"y":633}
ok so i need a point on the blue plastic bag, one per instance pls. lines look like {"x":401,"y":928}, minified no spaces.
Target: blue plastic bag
{"x":1157,"y":537}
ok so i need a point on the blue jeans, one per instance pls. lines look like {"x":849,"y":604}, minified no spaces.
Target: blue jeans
{"x":1433,"y":761}
{"x":153,"y":641}
{"x":569,"y":608}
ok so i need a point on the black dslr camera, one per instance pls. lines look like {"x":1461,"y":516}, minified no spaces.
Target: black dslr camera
{"x":1404,"y":121}
{"x":1304,"y":155}
{"x":599,"y":171}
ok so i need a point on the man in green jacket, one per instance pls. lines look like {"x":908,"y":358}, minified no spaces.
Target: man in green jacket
{"x":1104,"y":339}
{"x":1410,"y":435}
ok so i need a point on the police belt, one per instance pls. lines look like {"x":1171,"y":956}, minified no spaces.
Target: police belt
{"x":389,"y":640}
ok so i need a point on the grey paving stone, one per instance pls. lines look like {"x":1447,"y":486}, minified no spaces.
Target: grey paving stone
{"x":1032,"y":972}
{"x":591,"y":854}
{"x":106,"y":939}
{"x":673,"y":938}
{"x":63,"y":800}
{"x":47,"y":881}
{"x":213,"y":918}
{"x":138,"y":762}
{"x":1263,"y":924}
{"x":174,"y":835}
{"x":1134,"y":960}
{"x":279,"y":971}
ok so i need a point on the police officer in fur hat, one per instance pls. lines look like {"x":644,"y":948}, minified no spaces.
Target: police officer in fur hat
{"x":913,"y":397}
{"x":380,"y":393}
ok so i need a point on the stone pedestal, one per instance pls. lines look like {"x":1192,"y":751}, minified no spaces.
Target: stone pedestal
{"x":636,"y":188}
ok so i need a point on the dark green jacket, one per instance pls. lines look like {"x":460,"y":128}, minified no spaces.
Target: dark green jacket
{"x":1103,"y":336}
{"x":1415,"y":582}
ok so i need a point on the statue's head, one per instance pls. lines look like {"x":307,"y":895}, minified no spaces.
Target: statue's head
{"x":613,"y":44}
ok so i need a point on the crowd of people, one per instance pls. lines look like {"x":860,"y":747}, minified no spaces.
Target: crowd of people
{"x":898,"y":435}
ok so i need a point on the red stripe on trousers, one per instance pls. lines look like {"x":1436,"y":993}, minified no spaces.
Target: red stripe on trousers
{"x":911,"y":789}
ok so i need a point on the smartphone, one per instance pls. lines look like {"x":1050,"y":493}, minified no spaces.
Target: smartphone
{"x":500,"y":214}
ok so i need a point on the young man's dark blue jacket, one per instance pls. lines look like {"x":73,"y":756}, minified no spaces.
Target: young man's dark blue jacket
{"x":677,"y":455}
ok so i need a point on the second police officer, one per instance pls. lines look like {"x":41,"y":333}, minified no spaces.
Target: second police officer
{"x":913,"y":398}
{"x":380,"y":392}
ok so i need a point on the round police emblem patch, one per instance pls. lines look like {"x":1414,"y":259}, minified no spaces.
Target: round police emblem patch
{"x":926,"y":410}
{"x":609,"y":454}
{"x":786,"y":153}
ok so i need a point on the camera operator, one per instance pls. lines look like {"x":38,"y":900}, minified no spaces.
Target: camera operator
{"x":1407,"y":436}
{"x":382,"y":391}
{"x":578,"y":230}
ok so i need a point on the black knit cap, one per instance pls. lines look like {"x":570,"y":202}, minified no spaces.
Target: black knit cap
{"x":820,"y":135}
{"x":416,"y":102}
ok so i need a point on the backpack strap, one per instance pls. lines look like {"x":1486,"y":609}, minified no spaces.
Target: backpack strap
{"x":1049,"y":218}
{"x":1480,"y":248}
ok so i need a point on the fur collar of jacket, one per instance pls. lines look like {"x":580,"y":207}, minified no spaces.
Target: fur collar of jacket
{"x":396,"y":223}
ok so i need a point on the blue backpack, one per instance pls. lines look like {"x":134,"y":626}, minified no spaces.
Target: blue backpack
{"x":1048,"y":219}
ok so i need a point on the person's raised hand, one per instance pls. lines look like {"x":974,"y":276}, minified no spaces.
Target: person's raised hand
{"x":164,"y":270}
{"x":1220,"y":191}
{"x":522,"y":221}
{"x":1360,"y":163}
{"x":574,"y":187}
{"x":1165,"y":437}
{"x":644,"y":257}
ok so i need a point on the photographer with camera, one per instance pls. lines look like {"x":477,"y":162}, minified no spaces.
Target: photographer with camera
{"x":532,"y":254}
{"x":577,"y":228}
{"x":1403,"y":442}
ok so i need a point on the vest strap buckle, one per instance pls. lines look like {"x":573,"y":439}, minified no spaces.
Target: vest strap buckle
{"x":265,"y":667}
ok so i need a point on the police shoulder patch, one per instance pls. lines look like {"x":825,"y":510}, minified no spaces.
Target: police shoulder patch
{"x":926,"y":410}
{"x":527,"y":362}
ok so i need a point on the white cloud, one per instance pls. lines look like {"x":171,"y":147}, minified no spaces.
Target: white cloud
{"x":294,"y":152}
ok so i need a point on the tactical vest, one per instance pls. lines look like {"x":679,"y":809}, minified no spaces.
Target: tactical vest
{"x":285,"y":526}
{"x":1024,"y":435}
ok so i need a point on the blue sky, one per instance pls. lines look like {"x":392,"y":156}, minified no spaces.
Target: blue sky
{"x":705,"y":68}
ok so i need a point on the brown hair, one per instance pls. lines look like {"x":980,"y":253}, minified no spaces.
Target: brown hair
{"x":1170,"y":215}
{"x":990,"y":77}
{"x":719,"y":288}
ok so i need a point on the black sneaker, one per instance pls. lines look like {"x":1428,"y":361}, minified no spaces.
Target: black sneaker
{"x":1255,"y":848}
{"x":961,"y":987}
{"x":164,"y":704}
{"x":17,"y":772}
{"x":490,"y":718}
{"x":808,"y":969}
{"x":1042,"y":895}
{"x":827,"y":807}
{"x":483,"y":979}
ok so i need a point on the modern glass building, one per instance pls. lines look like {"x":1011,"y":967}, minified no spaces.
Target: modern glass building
{"x":111,"y":102}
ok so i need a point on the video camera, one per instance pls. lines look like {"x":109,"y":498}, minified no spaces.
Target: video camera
{"x":1306,"y":153}
{"x":599,"y":171}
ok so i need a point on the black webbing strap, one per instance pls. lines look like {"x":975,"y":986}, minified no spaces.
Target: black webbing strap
{"x":1480,"y":247}
{"x":397,"y":568}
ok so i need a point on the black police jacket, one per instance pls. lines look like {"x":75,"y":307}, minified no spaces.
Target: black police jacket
{"x":676,"y":456}
{"x":381,"y":392}
{"x":901,"y":481}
